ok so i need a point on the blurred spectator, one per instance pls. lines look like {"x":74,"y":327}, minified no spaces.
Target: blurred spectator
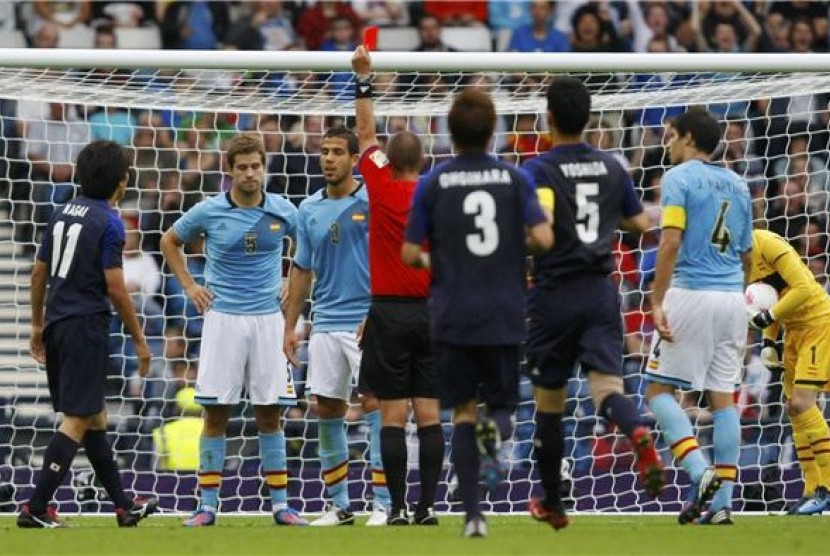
{"x":787,"y":214}
{"x":801,"y":36}
{"x":775,"y":36}
{"x":540,"y":35}
{"x":341,"y":36}
{"x":53,"y":144}
{"x":650,"y":20}
{"x":46,"y":36}
{"x":725,"y":26}
{"x":800,"y":162}
{"x":526,"y":138}
{"x":176,"y":443}
{"x":314,"y":25}
{"x":113,"y":123}
{"x":269,"y":27}
{"x":8,"y":20}
{"x":603,"y":134}
{"x":815,"y":13}
{"x":461,"y":12}
{"x":123,"y":14}
{"x":593,"y":31}
{"x":199,"y":155}
{"x":295,"y":172}
{"x":429,"y":33}
{"x":383,"y":13}
{"x":183,"y":318}
{"x":65,"y":15}
{"x":739,"y":157}
{"x":509,"y":15}
{"x":197,"y":25}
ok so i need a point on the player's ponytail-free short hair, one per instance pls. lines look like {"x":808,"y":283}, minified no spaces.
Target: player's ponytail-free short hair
{"x":569,"y":103}
{"x":404,"y":152}
{"x":342,"y":132}
{"x":704,"y":129}
{"x":472,"y":120}
{"x":100,"y":168}
{"x":245,"y":143}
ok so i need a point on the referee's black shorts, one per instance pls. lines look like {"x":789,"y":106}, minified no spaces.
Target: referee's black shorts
{"x":397,"y":356}
{"x":77,"y":358}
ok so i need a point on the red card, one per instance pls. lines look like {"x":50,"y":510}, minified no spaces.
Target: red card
{"x":370,"y":37}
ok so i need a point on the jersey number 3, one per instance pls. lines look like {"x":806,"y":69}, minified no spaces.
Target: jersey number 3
{"x":486,"y":239}
{"x":63,"y":253}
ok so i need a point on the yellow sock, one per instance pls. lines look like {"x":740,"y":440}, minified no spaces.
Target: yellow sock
{"x":809,"y":467}
{"x":816,"y":434}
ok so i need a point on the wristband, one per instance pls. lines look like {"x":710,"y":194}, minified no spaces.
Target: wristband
{"x":363,"y":87}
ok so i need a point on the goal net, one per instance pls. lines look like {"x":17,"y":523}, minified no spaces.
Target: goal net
{"x":176,"y":123}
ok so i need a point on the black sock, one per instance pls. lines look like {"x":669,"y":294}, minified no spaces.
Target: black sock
{"x":621,"y":411}
{"x":465,"y":461}
{"x":504,"y":421}
{"x":56,"y":463}
{"x":549,"y":447}
{"x":430,"y":462}
{"x":100,"y":455}
{"x":393,"y":454}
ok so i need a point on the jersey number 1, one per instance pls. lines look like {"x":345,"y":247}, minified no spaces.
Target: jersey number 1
{"x":62,"y":254}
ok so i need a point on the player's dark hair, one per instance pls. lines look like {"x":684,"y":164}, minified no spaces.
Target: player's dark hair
{"x":100,"y":167}
{"x":704,"y":129}
{"x":245,"y":143}
{"x":472,"y":120}
{"x":342,"y":132}
{"x":569,"y":102}
{"x":404,"y":152}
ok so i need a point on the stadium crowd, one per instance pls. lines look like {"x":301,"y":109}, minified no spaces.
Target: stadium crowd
{"x":780,"y":144}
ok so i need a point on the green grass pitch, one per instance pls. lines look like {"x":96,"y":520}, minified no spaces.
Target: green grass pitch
{"x":162,"y":536}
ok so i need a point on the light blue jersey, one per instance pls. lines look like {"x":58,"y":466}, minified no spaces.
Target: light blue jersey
{"x":243,"y":248}
{"x":333,"y":242}
{"x":712,"y":205}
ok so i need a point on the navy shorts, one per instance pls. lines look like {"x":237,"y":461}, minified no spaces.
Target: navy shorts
{"x":577,"y":321}
{"x":77,"y":358}
{"x":489,"y":374}
{"x":397,"y":355}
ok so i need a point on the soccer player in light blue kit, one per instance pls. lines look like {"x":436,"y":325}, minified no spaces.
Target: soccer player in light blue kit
{"x":332,"y":248}
{"x":699,"y":310}
{"x":244,"y":232}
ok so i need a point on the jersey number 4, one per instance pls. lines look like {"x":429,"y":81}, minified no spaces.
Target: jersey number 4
{"x":486,"y":239}
{"x":721,"y":236}
{"x":63,"y":253}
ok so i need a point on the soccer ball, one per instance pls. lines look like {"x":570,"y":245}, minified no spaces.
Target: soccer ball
{"x":760,"y":297}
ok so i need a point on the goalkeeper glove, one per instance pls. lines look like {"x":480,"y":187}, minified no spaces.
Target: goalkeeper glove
{"x":762,"y":320}
{"x":769,"y":355}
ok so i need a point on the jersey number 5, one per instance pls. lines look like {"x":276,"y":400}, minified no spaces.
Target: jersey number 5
{"x":62,"y":254}
{"x":721,"y":236}
{"x":486,"y":240}
{"x":587,"y":212}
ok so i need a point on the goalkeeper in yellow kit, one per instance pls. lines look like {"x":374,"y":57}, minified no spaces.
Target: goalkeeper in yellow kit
{"x":803,"y":311}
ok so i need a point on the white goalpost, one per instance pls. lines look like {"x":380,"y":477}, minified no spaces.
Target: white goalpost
{"x":175,"y":110}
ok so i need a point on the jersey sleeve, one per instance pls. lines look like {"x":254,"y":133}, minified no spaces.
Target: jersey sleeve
{"x":291,"y":220}
{"x":419,"y":224}
{"x":786,"y":262}
{"x":531,"y":209}
{"x":302,"y":256}
{"x":673,"y":203}
{"x":112,"y":244}
{"x":745,"y":243}
{"x":192,"y":223}
{"x":375,"y":169}
{"x":631,"y":205}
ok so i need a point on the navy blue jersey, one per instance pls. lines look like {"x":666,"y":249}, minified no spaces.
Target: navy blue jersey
{"x":83,"y":238}
{"x":473,"y":210}
{"x":592,"y":192}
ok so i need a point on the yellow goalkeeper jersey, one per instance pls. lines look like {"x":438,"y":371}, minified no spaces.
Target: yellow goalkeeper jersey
{"x":802,"y":301}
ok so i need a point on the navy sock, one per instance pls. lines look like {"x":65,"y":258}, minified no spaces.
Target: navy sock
{"x":56,"y":463}
{"x":393,"y":452}
{"x":100,"y":455}
{"x":465,"y":460}
{"x":549,"y":447}
{"x":622,"y":412}
{"x":430,"y":462}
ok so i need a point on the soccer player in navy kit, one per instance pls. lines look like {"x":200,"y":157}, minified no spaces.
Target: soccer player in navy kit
{"x":474,"y":211}
{"x":244,"y":231}
{"x":397,"y":360}
{"x":574,"y":308}
{"x":80,"y":261}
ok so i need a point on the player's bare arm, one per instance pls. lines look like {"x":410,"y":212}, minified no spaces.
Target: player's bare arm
{"x":120,"y":297}
{"x":667,"y":252}
{"x":414,"y":256}
{"x":37,"y":295}
{"x":540,"y":238}
{"x":364,"y":111}
{"x":171,"y":248}
{"x":299,"y":287}
{"x":639,"y":223}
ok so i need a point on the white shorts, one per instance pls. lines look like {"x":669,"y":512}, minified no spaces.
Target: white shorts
{"x":243,"y":351}
{"x":333,"y":364}
{"x":709,"y":330}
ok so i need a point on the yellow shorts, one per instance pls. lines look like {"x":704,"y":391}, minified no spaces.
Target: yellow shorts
{"x":807,"y":358}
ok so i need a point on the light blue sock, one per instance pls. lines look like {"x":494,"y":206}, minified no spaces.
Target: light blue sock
{"x":727,"y":446}
{"x":676,"y":428}
{"x":334,"y":459}
{"x":211,"y":463}
{"x":379,"y":488}
{"x":275,"y":468}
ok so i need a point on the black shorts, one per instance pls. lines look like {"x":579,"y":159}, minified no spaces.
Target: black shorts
{"x":77,"y":358}
{"x":397,"y":355}
{"x":577,"y":321}
{"x":489,"y":374}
